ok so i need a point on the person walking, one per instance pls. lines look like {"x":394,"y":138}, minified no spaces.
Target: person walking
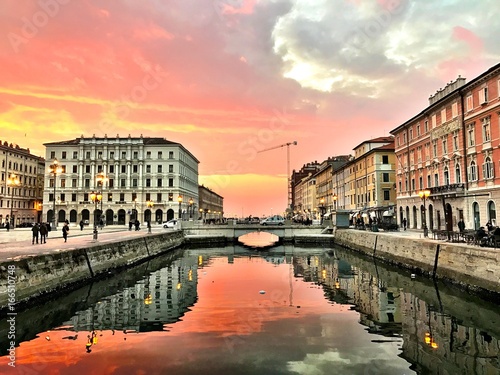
{"x":65,"y":230}
{"x":43,"y":233}
{"x":35,"y":230}
{"x":404,"y":223}
{"x":81,"y":224}
{"x":461,"y":225}
{"x":7,"y":226}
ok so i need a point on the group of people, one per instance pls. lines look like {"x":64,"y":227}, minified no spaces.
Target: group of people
{"x":485,"y":237}
{"x":41,"y":231}
{"x":136,"y":224}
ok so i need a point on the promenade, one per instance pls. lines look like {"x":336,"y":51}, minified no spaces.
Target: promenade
{"x":17,"y":242}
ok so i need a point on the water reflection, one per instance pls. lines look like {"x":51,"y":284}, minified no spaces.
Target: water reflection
{"x":259,"y":240}
{"x":203,"y":312}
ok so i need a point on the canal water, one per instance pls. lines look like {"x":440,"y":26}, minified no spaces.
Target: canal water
{"x":232,"y":310}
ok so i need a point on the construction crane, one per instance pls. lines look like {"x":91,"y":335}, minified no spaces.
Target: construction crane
{"x":288,"y":144}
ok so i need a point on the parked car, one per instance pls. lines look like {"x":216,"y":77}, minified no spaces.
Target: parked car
{"x":273,"y":220}
{"x":170,"y":224}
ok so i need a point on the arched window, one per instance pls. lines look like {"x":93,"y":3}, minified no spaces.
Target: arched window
{"x":488,"y":171}
{"x":472,"y":171}
{"x":446,"y":176}
{"x":458,"y":175}
{"x":492,"y":213}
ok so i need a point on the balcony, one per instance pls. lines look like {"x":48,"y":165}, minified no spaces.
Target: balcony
{"x":451,"y":190}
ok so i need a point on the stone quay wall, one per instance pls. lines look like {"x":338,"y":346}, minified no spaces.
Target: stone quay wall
{"x":472,"y":267}
{"x":44,"y":273}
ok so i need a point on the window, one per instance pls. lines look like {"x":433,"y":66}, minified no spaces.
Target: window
{"x":170,"y":154}
{"x":111,"y":154}
{"x":124,"y":168}
{"x":159,"y":182}
{"x":436,"y":179}
{"x":158,"y":197}
{"x":63,"y":155}
{"x":148,"y":182}
{"x":483,"y":96}
{"x":63,"y":197}
{"x":87,"y":155}
{"x":170,"y":182}
{"x":458,"y":174}
{"x":471,"y":135}
{"x":110,"y":197}
{"x":74,"y":183}
{"x":433,"y":121}
{"x":443,"y":115}
{"x":52,"y":154}
{"x":75,"y":168}
{"x":446,"y":175}
{"x":413,"y":184}
{"x":122,"y":183}
{"x":171,"y":168}
{"x":455,"y":141}
{"x":418,"y":130}
{"x":111,"y":183}
{"x":486,"y":129}
{"x":148,"y":154}
{"x":411,"y":134}
{"x":429,"y":181}
{"x":73,"y":197}
{"x":385,"y":159}
{"x":160,"y":155}
{"x":472,"y":171}
{"x":111,"y":169}
{"x":385,"y":177}
{"x":63,"y":182}
{"x":99,"y":154}
{"x":488,"y":171}
{"x":124,"y":154}
{"x":75,"y":154}
{"x":170,"y":197}
{"x":135,"y":168}
{"x":148,"y":197}
{"x":445,"y":146}
{"x":434,"y":149}
{"x":420,"y":182}
{"x":87,"y":169}
{"x":426,"y":126}
{"x":122,"y":197}
{"x":136,"y":154}
{"x":134,"y":182}
{"x":160,"y":169}
{"x":87,"y":183}
{"x":470,"y":104}
{"x":454,"y":110}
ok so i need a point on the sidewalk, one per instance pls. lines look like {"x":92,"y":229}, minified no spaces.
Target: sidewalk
{"x":17,"y":242}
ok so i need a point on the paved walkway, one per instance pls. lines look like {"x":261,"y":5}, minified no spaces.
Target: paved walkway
{"x":17,"y":242}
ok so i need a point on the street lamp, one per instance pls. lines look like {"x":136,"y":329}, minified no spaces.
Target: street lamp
{"x":54,"y":169}
{"x":335,"y":201}
{"x":150,"y":205}
{"x":190,"y":208}
{"x":12,"y":181}
{"x":101,"y":179}
{"x":95,"y":197}
{"x":179,"y":199}
{"x":423,"y":194}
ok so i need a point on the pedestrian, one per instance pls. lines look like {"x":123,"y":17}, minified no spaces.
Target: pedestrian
{"x":489,"y":226}
{"x":65,"y":230}
{"x":137,"y":224}
{"x":130,"y":224}
{"x":461,"y":225}
{"x":35,"y":230}
{"x":404,"y":223}
{"x":81,"y":224}
{"x":7,"y":225}
{"x":43,"y":233}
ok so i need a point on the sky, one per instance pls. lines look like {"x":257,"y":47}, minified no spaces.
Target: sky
{"x":229,"y":78}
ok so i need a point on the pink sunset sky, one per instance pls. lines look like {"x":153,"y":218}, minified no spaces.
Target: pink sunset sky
{"x":226,"y":78}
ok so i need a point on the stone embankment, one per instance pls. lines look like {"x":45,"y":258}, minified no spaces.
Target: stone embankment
{"x":472,"y":267}
{"x":27,"y":277}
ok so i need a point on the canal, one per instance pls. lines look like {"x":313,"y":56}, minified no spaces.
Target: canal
{"x":235,"y":310}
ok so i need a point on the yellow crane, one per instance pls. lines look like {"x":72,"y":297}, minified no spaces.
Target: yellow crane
{"x":287,"y":145}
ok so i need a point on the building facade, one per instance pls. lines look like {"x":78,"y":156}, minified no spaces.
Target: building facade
{"x":139,"y":178}
{"x":21,"y":189}
{"x":451,"y":149}
{"x":211,"y":205}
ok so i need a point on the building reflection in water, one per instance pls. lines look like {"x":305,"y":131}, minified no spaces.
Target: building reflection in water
{"x":161,"y":298}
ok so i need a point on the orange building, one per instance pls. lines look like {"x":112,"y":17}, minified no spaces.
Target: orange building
{"x":450,"y":149}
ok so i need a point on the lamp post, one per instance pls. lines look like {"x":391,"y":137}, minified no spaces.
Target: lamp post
{"x":54,"y":169}
{"x":95,"y":197}
{"x":150,"y":205}
{"x":101,"y":179}
{"x":12,"y":181}
{"x":179,"y":199}
{"x":335,"y":201}
{"x":191,"y":208}
{"x":423,"y":194}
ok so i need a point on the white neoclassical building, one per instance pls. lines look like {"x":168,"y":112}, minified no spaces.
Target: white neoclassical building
{"x":139,"y":178}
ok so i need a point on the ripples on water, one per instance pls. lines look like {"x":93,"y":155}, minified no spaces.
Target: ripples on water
{"x":231,"y":310}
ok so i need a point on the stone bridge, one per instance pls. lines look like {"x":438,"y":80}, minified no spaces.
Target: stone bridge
{"x":232,"y":233}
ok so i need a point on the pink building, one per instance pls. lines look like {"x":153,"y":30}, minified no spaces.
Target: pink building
{"x":452,"y":149}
